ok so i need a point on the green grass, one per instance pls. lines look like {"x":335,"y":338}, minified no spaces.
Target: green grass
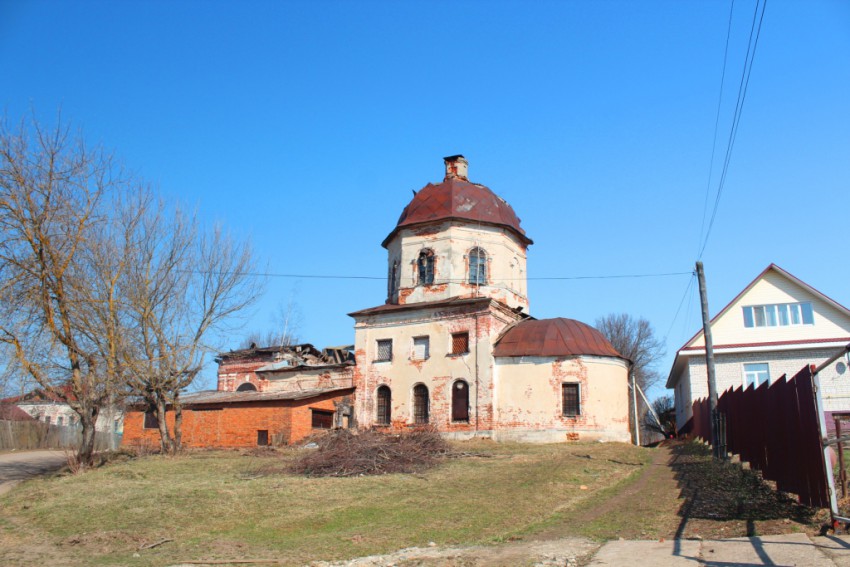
{"x":213,"y":508}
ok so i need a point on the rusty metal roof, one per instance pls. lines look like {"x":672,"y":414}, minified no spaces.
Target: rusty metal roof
{"x":222,"y":397}
{"x":459,"y":199}
{"x":450,"y":302}
{"x":554,"y":337}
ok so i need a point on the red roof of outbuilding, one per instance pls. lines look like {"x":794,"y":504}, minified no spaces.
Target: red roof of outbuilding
{"x":554,"y":337}
{"x":11,"y":412}
{"x":456,"y":198}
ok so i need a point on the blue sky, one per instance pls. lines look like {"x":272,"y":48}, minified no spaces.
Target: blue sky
{"x":305,"y":125}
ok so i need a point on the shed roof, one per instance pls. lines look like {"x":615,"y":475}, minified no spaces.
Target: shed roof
{"x":554,"y":337}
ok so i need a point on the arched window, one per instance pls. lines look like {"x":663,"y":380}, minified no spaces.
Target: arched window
{"x":385,"y":398}
{"x":460,"y":401}
{"x":391,"y":285}
{"x":425,"y":265}
{"x":478,"y":266}
{"x":420,"y":404}
{"x":246,"y":387}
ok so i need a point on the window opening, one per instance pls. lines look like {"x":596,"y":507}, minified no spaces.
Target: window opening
{"x":421,"y":348}
{"x":420,"y":404}
{"x":384,"y":350}
{"x":384,"y":405}
{"x":477,"y":266}
{"x":151,"y":421}
{"x":460,"y":343}
{"x":322,"y":419}
{"x":460,"y":401}
{"x":246,"y":387}
{"x":756,"y":374}
{"x":425,"y":264}
{"x":571,"y":399}
{"x":262,"y":437}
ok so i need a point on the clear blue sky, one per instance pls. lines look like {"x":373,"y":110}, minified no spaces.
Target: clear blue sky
{"x":305,"y":126}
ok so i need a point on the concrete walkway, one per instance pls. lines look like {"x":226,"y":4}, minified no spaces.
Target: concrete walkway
{"x":781,"y":550}
{"x":21,"y":465}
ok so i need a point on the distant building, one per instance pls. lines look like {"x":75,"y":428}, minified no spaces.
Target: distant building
{"x":777,"y":325}
{"x":49,"y":408}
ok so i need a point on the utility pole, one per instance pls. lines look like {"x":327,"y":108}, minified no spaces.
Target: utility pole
{"x":709,"y":363}
{"x":634,"y":405}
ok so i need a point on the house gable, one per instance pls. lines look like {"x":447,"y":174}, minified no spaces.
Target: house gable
{"x":830,"y":324}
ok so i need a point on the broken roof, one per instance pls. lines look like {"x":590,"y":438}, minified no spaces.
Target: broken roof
{"x":221,"y":397}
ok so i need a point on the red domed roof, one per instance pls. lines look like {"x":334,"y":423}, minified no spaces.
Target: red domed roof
{"x":554,"y":337}
{"x":457,"y":198}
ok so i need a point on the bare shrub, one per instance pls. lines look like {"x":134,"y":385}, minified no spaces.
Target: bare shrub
{"x":346,"y":453}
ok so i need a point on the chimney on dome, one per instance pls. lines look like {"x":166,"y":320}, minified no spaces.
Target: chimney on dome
{"x":456,"y":167}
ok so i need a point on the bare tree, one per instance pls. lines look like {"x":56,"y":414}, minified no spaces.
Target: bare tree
{"x":665,"y":409}
{"x":287,"y":321}
{"x":634,"y":339}
{"x":53,"y":196}
{"x":183,"y":284}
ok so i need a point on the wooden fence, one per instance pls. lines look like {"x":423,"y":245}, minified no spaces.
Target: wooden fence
{"x":23,"y":435}
{"x":775,"y":429}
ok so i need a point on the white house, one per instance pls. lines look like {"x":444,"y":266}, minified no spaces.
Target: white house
{"x":774,"y":327}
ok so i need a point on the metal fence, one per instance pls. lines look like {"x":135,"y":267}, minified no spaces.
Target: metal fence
{"x":774,"y":428}
{"x":24,"y":435}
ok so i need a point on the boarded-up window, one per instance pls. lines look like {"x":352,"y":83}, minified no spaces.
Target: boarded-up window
{"x":384,"y":350}
{"x":420,"y":404}
{"x":460,"y":343}
{"x":425,"y":265}
{"x":322,"y":419}
{"x":385,"y":399}
{"x":421,"y":348}
{"x":262,"y":437}
{"x":572,"y":399}
{"x":460,"y":401}
{"x":151,"y":421}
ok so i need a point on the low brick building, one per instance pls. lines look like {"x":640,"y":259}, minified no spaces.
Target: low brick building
{"x":246,"y":419}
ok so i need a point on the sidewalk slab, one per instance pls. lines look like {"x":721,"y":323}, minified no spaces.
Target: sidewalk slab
{"x":836,"y":547}
{"x":676,"y":553}
{"x":788,"y":550}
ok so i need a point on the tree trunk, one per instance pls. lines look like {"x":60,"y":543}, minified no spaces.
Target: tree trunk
{"x":165,"y":443}
{"x":85,"y":455}
{"x":177,"y":441}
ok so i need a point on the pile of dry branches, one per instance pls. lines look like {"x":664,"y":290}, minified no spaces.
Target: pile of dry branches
{"x":345,"y":453}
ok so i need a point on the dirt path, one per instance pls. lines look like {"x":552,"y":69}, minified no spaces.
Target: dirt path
{"x":21,"y":465}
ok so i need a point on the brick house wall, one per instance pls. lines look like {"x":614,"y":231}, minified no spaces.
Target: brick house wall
{"x":235,"y":425}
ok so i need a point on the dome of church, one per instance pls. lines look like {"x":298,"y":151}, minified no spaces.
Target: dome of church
{"x":457,"y":198}
{"x":554,"y":337}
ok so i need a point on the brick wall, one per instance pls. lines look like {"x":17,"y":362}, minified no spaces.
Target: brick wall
{"x":237,"y":424}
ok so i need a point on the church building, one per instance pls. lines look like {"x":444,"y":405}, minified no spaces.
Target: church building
{"x":454,"y":345}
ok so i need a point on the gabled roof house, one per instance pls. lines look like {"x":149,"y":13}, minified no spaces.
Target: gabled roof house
{"x":774,"y":327}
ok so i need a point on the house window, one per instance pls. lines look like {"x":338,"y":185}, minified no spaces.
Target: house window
{"x":460,"y":401}
{"x":151,"y":421}
{"x":262,"y":437}
{"x":756,"y":374}
{"x":420,"y":404}
{"x":460,"y":343}
{"x":571,"y":399}
{"x":425,"y":265}
{"x":322,"y":419}
{"x":59,"y":420}
{"x":47,"y":420}
{"x":384,"y":350}
{"x":421,"y":348}
{"x":778,"y":315}
{"x":477,"y":266}
{"x":385,"y":398}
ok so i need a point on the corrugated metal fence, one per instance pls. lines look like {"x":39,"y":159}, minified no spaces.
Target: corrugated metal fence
{"x":775,"y":429}
{"x":39,"y":435}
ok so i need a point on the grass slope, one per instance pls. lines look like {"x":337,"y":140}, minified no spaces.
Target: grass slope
{"x":214,"y":506}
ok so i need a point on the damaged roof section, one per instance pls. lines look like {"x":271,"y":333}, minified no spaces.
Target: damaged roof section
{"x":290,"y":356}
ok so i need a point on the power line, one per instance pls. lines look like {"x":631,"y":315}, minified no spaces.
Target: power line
{"x":681,"y":302}
{"x":749,"y":58}
{"x":716,"y":124}
{"x":463,"y":280}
